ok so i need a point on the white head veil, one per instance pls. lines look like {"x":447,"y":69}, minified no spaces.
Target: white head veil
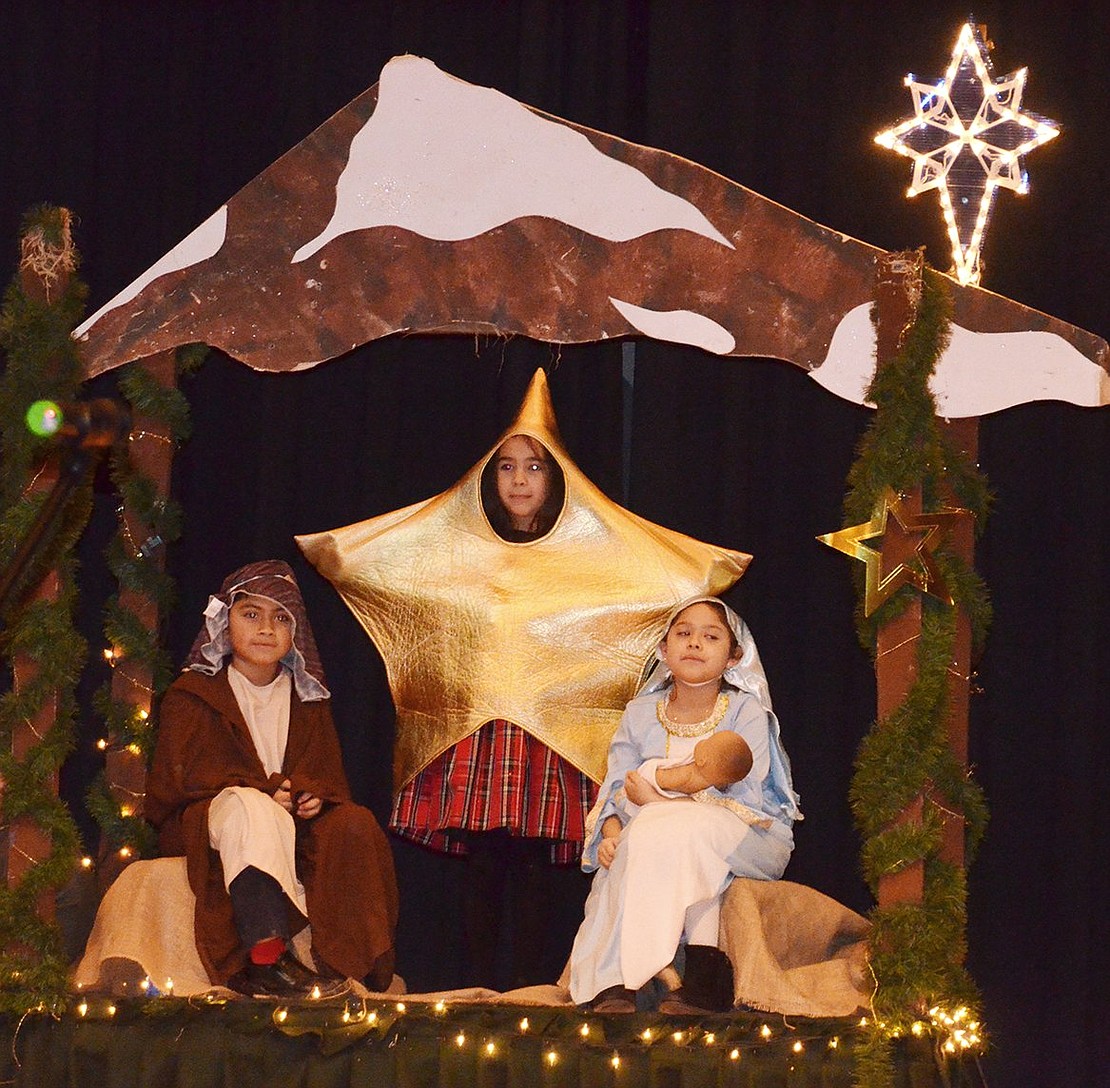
{"x":746,"y":675}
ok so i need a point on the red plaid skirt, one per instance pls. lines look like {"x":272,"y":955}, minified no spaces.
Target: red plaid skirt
{"x":499,"y":776}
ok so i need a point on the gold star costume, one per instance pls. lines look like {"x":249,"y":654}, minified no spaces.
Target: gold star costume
{"x":551,"y":634}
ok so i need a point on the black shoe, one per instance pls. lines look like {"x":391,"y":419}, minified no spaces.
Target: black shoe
{"x":318,"y":986}
{"x":292,"y":967}
{"x":614,"y":999}
{"x":286,"y":979}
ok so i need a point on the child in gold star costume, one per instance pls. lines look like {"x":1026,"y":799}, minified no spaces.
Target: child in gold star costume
{"x":510,"y":649}
{"x":698,"y":790}
{"x":248,"y":784}
{"x":500,"y":795}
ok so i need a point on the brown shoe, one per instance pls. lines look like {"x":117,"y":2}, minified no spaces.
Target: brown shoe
{"x":706,"y":984}
{"x":614,"y":999}
{"x":678,"y":1003}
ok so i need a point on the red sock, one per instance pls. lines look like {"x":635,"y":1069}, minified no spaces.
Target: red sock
{"x":268,"y":951}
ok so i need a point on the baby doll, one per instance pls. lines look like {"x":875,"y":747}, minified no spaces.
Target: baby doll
{"x":715,"y":763}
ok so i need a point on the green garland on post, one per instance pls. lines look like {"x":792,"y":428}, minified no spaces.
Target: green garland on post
{"x":917,"y":949}
{"x":41,"y":363}
{"x":130,"y":562}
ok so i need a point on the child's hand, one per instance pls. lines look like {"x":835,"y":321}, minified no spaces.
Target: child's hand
{"x":639,"y":791}
{"x":284,"y":797}
{"x":610,"y":836}
{"x":607,"y":852}
{"x":308,"y":805}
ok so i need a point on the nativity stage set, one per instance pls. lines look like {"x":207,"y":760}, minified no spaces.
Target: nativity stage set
{"x":389,"y":219}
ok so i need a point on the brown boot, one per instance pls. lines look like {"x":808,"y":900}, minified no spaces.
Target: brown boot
{"x":706,"y":984}
{"x":614,"y":999}
{"x":678,"y":1003}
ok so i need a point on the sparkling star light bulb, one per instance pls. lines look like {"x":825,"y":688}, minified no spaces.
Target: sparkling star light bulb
{"x":966,"y":139}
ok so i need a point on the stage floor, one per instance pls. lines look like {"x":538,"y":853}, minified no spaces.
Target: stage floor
{"x":200,"y":1043}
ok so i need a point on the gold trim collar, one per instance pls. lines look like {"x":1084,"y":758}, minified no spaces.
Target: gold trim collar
{"x":692,"y":729}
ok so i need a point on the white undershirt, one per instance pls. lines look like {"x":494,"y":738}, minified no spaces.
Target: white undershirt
{"x":266,"y":710}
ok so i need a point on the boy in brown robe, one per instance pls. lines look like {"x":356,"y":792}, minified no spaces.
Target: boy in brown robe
{"x":248,"y":784}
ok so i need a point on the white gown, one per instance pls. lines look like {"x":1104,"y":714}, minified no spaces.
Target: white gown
{"x":674,"y":858}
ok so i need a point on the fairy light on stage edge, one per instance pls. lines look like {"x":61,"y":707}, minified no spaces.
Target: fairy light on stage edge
{"x":962,"y":1032}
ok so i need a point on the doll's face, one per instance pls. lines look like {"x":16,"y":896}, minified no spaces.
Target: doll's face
{"x":523,"y":480}
{"x":698,"y":646}
{"x":261,"y":634}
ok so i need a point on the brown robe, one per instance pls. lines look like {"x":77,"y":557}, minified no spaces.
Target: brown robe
{"x":343,"y":858}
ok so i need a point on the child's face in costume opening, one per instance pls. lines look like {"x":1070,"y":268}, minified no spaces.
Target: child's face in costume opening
{"x":523,"y":480}
{"x":261,"y":634}
{"x":699,"y":645}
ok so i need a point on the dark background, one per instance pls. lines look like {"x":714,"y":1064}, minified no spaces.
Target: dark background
{"x":144,"y":117}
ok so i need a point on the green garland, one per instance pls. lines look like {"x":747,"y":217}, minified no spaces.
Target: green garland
{"x":130,"y":562}
{"x":917,"y":949}
{"x":41,"y":363}
{"x":114,"y":1041}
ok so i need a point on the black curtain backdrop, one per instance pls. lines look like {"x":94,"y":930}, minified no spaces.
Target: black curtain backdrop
{"x":144,"y":117}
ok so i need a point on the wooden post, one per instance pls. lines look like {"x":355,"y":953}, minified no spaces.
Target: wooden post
{"x":28,"y":843}
{"x":151,"y":449}
{"x":897,"y":296}
{"x":965,"y":434}
{"x":898,"y":293}
{"x":44,"y":270}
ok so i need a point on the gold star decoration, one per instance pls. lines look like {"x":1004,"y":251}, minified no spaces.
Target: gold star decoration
{"x":551,"y":634}
{"x":966,"y":138}
{"x":905,"y":556}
